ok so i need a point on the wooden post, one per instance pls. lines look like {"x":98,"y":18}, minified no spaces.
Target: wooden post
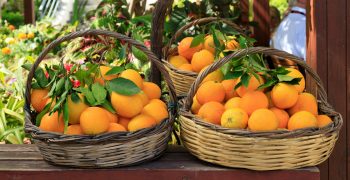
{"x":29,"y":15}
{"x":261,"y":11}
{"x":158,"y":21}
{"x":244,"y":5}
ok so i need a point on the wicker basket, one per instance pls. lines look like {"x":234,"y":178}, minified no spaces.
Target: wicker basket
{"x":272,"y":150}
{"x":183,"y":79}
{"x":106,"y":150}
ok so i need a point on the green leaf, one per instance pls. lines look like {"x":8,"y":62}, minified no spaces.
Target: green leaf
{"x":27,"y":67}
{"x":107,"y":105}
{"x":239,"y":84}
{"x":42,"y":113}
{"x":197,"y":40}
{"x":68,"y":85}
{"x":140,"y":55}
{"x":282,"y":71}
{"x":295,"y":81}
{"x":88,"y":95}
{"x":35,"y":85}
{"x":75,"y":98}
{"x":99,"y":92}
{"x":40,"y":77}
{"x":268,"y":84}
{"x":130,"y":66}
{"x":65,"y":115}
{"x":60,"y":86}
{"x":124,"y":86}
{"x":115,"y":70}
{"x":283,"y":78}
{"x":59,"y":102}
{"x":245,"y":79}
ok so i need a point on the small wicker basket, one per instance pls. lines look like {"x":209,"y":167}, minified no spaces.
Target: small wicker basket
{"x":109,"y":149}
{"x":183,"y":79}
{"x":271,"y":150}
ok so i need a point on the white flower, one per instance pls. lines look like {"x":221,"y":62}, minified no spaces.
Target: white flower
{"x":10,"y":40}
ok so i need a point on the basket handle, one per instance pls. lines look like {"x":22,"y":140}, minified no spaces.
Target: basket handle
{"x":153,"y":58}
{"x":253,"y":50}
{"x":199,"y":22}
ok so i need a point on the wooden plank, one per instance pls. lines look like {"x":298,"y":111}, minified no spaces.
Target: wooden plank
{"x":244,"y":5}
{"x":348,"y":86}
{"x":316,"y":25}
{"x":262,"y":17}
{"x":29,"y":15}
{"x":336,"y":23}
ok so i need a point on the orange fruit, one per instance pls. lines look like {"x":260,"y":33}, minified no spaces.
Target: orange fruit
{"x":195,"y":105}
{"x":209,"y":44}
{"x":115,"y":127}
{"x":177,"y":61}
{"x":232,"y":45}
{"x":253,"y":100}
{"x":144,"y":98}
{"x":234,"y":102}
{"x":201,"y":59}
{"x":263,"y":120}
{"x":185,"y":49}
{"x":229,"y":85}
{"x":210,"y":91}
{"x":6,"y":51}
{"x":141,"y":121}
{"x":104,"y":70}
{"x":52,"y":123}
{"x":186,"y":67}
{"x":284,"y":95}
{"x":323,"y":121}
{"x":217,"y":75}
{"x":156,"y":111}
{"x":75,"y":109}
{"x":39,"y":99}
{"x":211,"y":112}
{"x":94,"y":120}
{"x":282,"y":117}
{"x":305,"y":102}
{"x":127,"y":106}
{"x":113,"y":118}
{"x":152,"y":90}
{"x":297,"y":74}
{"x":252,"y":85}
{"x":11,"y":27}
{"x":160,"y":102}
{"x":74,"y":129}
{"x":124,"y":122}
{"x":234,"y":118}
{"x":302,"y":119}
{"x":133,"y":76}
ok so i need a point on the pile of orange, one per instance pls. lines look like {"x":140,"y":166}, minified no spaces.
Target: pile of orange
{"x":143,"y":110}
{"x":196,"y":58}
{"x":285,"y":106}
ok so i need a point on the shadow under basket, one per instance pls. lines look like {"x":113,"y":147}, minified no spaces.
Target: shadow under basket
{"x":113,"y":149}
{"x":272,"y":150}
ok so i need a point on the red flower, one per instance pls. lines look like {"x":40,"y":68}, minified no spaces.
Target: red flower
{"x":68,"y":67}
{"x":47,"y":75}
{"x":147,"y":43}
{"x":76,"y":83}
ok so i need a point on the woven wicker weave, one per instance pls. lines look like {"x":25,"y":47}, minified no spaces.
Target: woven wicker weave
{"x":183,"y":79}
{"x":105,"y":150}
{"x":271,"y":150}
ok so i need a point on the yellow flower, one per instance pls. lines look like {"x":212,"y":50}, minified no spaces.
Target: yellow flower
{"x":6,"y":51}
{"x":30,"y":35}
{"x":22,"y":36}
{"x":10,"y":40}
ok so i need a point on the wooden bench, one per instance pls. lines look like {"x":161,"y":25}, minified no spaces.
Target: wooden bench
{"x":25,"y":162}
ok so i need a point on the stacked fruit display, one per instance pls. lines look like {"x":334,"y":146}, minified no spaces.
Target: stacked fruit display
{"x":196,"y":53}
{"x":258,"y":104}
{"x":91,"y":99}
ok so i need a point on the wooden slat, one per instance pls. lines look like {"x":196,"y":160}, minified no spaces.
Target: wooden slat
{"x":244,"y":5}
{"x":29,"y":15}
{"x":316,"y":51}
{"x":336,"y":23}
{"x":348,"y":85}
{"x":262,"y":17}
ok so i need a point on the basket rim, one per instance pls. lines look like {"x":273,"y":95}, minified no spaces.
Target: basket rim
{"x":56,"y":137}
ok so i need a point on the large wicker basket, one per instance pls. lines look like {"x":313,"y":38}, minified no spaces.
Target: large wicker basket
{"x":183,"y":79}
{"x":106,"y":150}
{"x":280,"y":149}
